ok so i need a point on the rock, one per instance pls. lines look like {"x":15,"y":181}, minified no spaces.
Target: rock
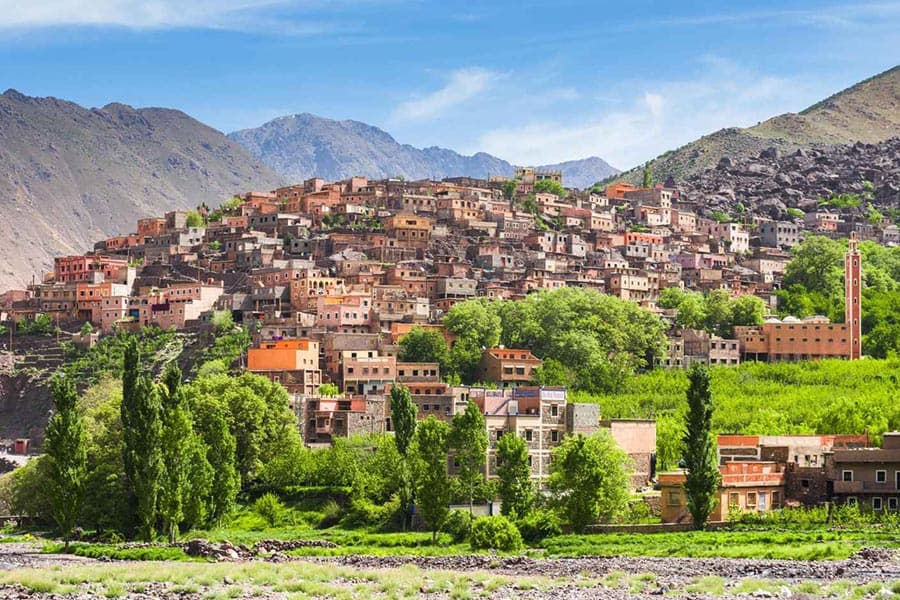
{"x":770,"y":153}
{"x":724,"y":164}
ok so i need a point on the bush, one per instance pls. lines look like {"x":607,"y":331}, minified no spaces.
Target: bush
{"x":331,"y":514}
{"x":365,"y":513}
{"x":270,"y":508}
{"x":495,"y":533}
{"x":539,"y":524}
{"x":459,"y":525}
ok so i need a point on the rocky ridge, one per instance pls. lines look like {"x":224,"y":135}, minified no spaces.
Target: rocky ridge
{"x":773,"y":181}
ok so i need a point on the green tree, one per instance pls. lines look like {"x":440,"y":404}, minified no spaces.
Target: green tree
{"x":509,"y":190}
{"x":477,"y":326}
{"x":748,"y":310}
{"x":177,"y":441}
{"x":211,"y":422}
{"x":67,"y":456}
{"x":421,"y":345}
{"x":329,"y":390}
{"x":718,"y":312}
{"x":142,"y":430}
{"x":591,"y":475}
{"x":514,"y":474}
{"x":550,"y":186}
{"x":702,"y":475}
{"x":816,"y":265}
{"x":468,"y":439}
{"x":647,"y":176}
{"x":194,"y":219}
{"x":432,"y":482}
{"x":403,"y":420}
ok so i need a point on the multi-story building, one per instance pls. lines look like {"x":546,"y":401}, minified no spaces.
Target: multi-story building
{"x":507,"y":367}
{"x":292,"y":363}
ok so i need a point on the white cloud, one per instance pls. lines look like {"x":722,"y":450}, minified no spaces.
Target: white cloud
{"x":651,"y":117}
{"x":462,"y":85}
{"x":152,"y":14}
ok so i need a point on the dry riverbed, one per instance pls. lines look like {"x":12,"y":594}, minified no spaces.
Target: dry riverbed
{"x":26,"y":573}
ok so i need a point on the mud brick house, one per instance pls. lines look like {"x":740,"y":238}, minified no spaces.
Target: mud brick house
{"x":292,"y":363}
{"x":869,"y":477}
{"x":325,"y":419}
{"x":507,"y":367}
{"x":746,"y":486}
{"x":637,"y":437}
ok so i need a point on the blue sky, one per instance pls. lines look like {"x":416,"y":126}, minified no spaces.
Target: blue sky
{"x":532,"y":82}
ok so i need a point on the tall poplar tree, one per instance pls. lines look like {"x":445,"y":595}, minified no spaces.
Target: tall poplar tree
{"x":403,"y":418}
{"x":514,"y":473}
{"x":177,"y":442}
{"x":432,"y":482}
{"x":67,"y":453}
{"x":141,"y":436}
{"x":468,"y":439}
{"x":702,"y":479}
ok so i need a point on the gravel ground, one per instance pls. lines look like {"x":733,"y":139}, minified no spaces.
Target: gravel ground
{"x":671,"y":576}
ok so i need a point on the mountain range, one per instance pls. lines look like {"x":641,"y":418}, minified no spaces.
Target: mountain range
{"x":72,"y":175}
{"x":867,"y":112}
{"x":304,"y":145}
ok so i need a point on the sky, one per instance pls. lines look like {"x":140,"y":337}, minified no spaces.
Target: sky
{"x":530,"y":82}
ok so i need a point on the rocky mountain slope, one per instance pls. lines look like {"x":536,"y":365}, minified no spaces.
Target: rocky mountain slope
{"x":304,"y":145}
{"x":867,"y":112}
{"x":70,"y":175}
{"x":774,"y":181}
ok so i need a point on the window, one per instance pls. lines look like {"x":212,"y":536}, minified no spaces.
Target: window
{"x":554,"y":410}
{"x":554,"y":436}
{"x":880,"y":476}
{"x":751,"y":500}
{"x":804,"y":483}
{"x":734,"y":500}
{"x":852,"y":501}
{"x":892,"y":503}
{"x":846,"y":475}
{"x":877,"y":503}
{"x":528,"y":435}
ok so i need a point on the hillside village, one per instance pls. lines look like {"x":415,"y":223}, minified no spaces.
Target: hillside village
{"x":330,"y":276}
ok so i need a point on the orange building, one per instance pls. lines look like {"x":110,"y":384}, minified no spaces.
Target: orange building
{"x":812,"y":337}
{"x":746,"y":486}
{"x":292,"y":363}
{"x":617,"y":191}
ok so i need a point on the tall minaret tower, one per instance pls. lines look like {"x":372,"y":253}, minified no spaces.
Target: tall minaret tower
{"x":852,"y":308}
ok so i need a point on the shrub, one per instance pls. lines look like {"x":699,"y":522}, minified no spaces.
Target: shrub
{"x":495,"y":533}
{"x":539,"y":524}
{"x":459,"y":525}
{"x":365,"y":513}
{"x":270,"y":508}
{"x":331,"y":514}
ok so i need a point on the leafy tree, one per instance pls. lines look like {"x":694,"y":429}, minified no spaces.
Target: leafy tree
{"x":718,"y":312}
{"x":702,"y":476}
{"x":177,"y":441}
{"x":591,"y":475}
{"x":476,"y":325}
{"x":509,"y":190}
{"x":259,"y":418}
{"x":67,"y":456}
{"x":211,"y":422}
{"x":553,"y":373}
{"x":530,"y":205}
{"x":468,"y":439}
{"x":142,"y":429}
{"x":514,"y":474}
{"x":881,"y":322}
{"x":432,"y":482}
{"x":816,"y":265}
{"x":329,"y":390}
{"x":194,"y":219}
{"x":647,"y":177}
{"x":550,"y":186}
{"x":403,"y":419}
{"x":420,"y":345}
{"x":748,"y":310}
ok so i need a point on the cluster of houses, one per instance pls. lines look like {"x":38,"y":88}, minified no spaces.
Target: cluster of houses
{"x":764,"y":472}
{"x":329,"y":277}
